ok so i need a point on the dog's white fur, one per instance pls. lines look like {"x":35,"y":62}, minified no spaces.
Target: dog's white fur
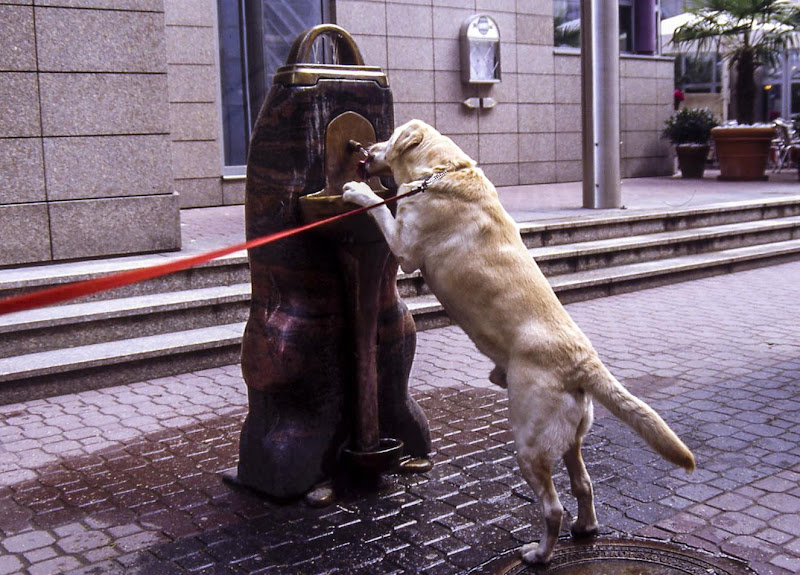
{"x":472,"y":256}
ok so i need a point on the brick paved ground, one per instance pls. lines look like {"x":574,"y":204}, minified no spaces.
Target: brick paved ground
{"x":125,"y":480}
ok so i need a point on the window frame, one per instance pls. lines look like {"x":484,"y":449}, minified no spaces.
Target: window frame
{"x":231,"y":171}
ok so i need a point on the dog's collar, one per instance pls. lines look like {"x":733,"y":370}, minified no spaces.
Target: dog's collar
{"x":432,"y":179}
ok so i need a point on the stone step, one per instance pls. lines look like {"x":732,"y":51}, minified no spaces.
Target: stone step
{"x":228,"y":270}
{"x":233,"y":269}
{"x":590,"y":255}
{"x":113,"y":363}
{"x":68,"y":370}
{"x":581,"y":228}
{"x":194,"y":319}
{"x":86,"y":323}
{"x":586,"y":285}
{"x":591,"y":284}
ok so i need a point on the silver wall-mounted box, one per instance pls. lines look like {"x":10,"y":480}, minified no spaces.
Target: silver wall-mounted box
{"x":480,"y":50}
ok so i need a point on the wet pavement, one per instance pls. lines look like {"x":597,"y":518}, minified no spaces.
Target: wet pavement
{"x":127,"y":479}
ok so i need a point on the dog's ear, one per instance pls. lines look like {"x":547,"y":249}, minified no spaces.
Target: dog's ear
{"x":406,"y":140}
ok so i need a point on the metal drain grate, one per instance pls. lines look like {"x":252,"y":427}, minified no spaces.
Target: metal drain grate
{"x":616,"y":556}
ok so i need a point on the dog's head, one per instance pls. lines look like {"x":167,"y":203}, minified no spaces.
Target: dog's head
{"x":414,"y":151}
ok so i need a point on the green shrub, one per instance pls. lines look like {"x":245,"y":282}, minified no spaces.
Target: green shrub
{"x":690,"y":126}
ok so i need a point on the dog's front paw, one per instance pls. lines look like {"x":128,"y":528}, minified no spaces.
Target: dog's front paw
{"x":360,"y":193}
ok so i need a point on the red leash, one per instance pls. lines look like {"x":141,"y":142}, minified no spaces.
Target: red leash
{"x":50,"y":296}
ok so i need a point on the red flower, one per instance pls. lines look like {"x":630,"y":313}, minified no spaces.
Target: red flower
{"x":678,"y":95}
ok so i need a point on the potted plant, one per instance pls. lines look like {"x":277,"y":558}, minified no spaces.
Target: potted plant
{"x":749,"y":34}
{"x":689,"y":129}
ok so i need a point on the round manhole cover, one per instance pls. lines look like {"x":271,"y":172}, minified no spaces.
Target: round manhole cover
{"x":608,"y":556}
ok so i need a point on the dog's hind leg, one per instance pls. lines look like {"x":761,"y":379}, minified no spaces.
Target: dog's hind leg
{"x":538,"y":473}
{"x":586,"y":523}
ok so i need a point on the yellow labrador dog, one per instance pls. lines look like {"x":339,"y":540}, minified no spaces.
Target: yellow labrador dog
{"x":472,"y":256}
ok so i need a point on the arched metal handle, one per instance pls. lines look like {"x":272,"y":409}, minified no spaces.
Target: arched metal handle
{"x":347,"y":53}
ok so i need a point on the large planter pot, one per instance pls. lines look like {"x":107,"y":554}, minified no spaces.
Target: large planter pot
{"x":692,"y":159}
{"x":743,"y":151}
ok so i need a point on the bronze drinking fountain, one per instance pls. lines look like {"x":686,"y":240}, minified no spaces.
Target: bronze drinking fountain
{"x":328,"y":346}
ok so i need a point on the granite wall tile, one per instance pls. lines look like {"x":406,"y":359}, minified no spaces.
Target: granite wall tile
{"x":189,"y":121}
{"x":88,"y":228}
{"x":498,"y":148}
{"x":189,"y":12}
{"x":633,"y":67}
{"x":448,"y":22}
{"x":19,"y":46}
{"x":70,"y":40}
{"x":569,"y":171}
{"x":26,"y":234}
{"x":446,"y":55}
{"x":233,"y":191}
{"x":502,"y":174}
{"x":535,"y":59}
{"x":568,"y":64}
{"x":19,"y":105}
{"x":503,"y":118}
{"x":638,"y":144}
{"x":138,"y":5}
{"x":639,"y":91}
{"x":448,"y":88}
{"x":537,"y":172}
{"x":22,"y":173}
{"x":496,"y":5}
{"x":537,"y":118}
{"x":412,"y":86}
{"x":507,"y":91}
{"x":568,"y":89}
{"x":107,"y":166}
{"x":639,"y":117}
{"x":410,"y":53}
{"x":191,"y":45}
{"x":537,"y":147}
{"x":187,"y":83}
{"x":104,"y":104}
{"x":568,"y":146}
{"x":665,"y":67}
{"x":535,"y":29}
{"x":455,"y":118}
{"x":417,"y":20}
{"x":195,"y":160}
{"x":200,"y":192}
{"x":358,"y":17}
{"x":568,"y":118}
{"x":373,"y":50}
{"x":665,"y":88}
{"x":507,"y":24}
{"x":468,"y":143}
{"x":536,"y":88}
{"x":451,"y":3}
{"x":405,"y":111}
{"x":535,"y":7}
{"x":647,"y":167}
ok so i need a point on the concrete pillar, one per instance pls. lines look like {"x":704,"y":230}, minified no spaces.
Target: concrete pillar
{"x":600,"y":103}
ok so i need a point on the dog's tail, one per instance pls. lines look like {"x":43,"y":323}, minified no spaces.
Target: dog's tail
{"x":641,"y":417}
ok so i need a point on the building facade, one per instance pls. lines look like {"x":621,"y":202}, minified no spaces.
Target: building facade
{"x":115,"y":114}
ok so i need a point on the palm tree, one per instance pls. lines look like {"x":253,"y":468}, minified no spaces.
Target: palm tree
{"x":748,"y":33}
